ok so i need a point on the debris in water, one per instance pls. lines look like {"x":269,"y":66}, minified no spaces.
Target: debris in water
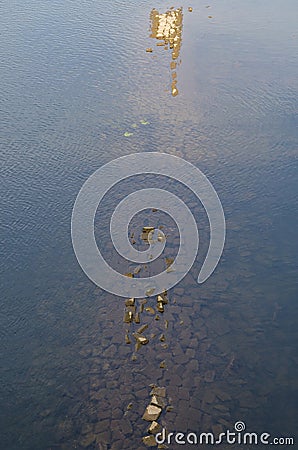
{"x":149,"y":441}
{"x":159,"y":391}
{"x":154,"y":427}
{"x":149,"y":292}
{"x":137,"y":270}
{"x":137,"y":318}
{"x":160,"y":307}
{"x":130,"y":302}
{"x":151,"y":413}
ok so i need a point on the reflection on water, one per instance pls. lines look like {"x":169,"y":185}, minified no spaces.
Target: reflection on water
{"x":75,"y":80}
{"x":167,"y":28}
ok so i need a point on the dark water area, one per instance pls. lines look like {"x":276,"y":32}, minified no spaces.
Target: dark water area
{"x":75,"y":78}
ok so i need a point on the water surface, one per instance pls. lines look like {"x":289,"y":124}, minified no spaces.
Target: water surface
{"x":75,"y":78}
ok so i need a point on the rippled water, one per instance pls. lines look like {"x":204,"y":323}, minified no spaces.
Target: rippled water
{"x":75,"y":78}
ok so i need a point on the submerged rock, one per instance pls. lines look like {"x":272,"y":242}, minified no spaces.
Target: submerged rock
{"x":149,"y":441}
{"x":152,"y":412}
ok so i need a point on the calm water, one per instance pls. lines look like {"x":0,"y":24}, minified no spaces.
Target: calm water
{"x":76,"y":77}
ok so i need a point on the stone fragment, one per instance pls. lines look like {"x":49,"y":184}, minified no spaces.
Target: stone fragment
{"x":128,"y":317}
{"x":152,"y":412}
{"x":158,"y":401}
{"x":149,"y":50}
{"x":137,"y":270}
{"x":160,"y":391}
{"x":140,"y":338}
{"x":129,"y":274}
{"x":142,"y":328}
{"x":130,"y":302}
{"x":162,"y":299}
{"x":137,"y":318}
{"x":160,"y":307}
{"x":154,"y":428}
{"x":149,"y":441}
{"x":149,"y":292}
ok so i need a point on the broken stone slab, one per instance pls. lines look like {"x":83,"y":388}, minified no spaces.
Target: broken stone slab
{"x":128,"y":317}
{"x":158,"y":401}
{"x":160,"y":307}
{"x":162,"y":299}
{"x":149,"y":441}
{"x":152,"y":412}
{"x":130,"y":302}
{"x":137,"y":318}
{"x":154,"y":428}
{"x":140,"y":338}
{"x":159,"y":391}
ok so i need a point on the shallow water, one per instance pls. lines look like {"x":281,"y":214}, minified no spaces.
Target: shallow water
{"x":76,"y":78}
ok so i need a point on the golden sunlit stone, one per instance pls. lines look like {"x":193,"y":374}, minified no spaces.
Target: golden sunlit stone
{"x":148,"y":229}
{"x":129,"y":275}
{"x":162,"y":299}
{"x":149,"y":50}
{"x":149,"y":310}
{"x":149,"y":292}
{"x":151,"y":413}
{"x":137,"y":318}
{"x":140,"y":339}
{"x":128,"y":317}
{"x":190,"y":9}
{"x":149,"y":441}
{"x":158,"y":401}
{"x":130,"y":302}
{"x":162,"y":365}
{"x":160,"y":307}
{"x":154,"y":427}
{"x":137,"y":270}
{"x":127,"y":340}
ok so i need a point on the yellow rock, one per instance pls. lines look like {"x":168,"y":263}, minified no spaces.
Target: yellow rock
{"x":149,"y":441}
{"x":149,"y":310}
{"x":154,"y":427}
{"x":151,"y":413}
